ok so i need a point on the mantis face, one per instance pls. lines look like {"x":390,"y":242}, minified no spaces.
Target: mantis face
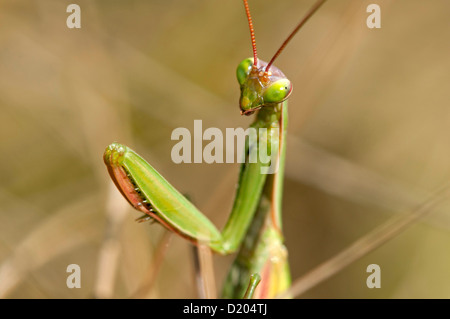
{"x":260,"y":88}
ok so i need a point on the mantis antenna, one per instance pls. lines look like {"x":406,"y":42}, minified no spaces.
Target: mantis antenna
{"x":252,"y":33}
{"x":308,"y":15}
{"x":313,"y":9}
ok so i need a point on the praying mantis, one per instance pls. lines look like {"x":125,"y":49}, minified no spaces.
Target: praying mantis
{"x":254,"y":228}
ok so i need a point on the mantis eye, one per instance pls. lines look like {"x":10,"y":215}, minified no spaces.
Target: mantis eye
{"x":278,"y":91}
{"x":243,"y":70}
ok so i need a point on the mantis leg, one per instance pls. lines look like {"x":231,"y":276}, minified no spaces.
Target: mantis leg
{"x":147,"y":191}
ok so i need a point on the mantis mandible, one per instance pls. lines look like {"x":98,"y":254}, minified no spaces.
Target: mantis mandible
{"x":255,"y":223}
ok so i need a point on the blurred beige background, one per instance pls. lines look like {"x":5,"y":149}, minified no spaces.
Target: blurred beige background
{"x":369,"y":132}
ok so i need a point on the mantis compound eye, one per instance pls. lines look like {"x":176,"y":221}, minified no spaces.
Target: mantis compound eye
{"x":278,"y":91}
{"x":243,"y":70}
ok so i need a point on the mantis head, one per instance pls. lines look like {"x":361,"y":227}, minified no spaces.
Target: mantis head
{"x":260,"y":87}
{"x":261,"y":83}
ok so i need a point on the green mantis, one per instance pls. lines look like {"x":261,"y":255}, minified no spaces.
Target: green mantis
{"x":255,"y":223}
